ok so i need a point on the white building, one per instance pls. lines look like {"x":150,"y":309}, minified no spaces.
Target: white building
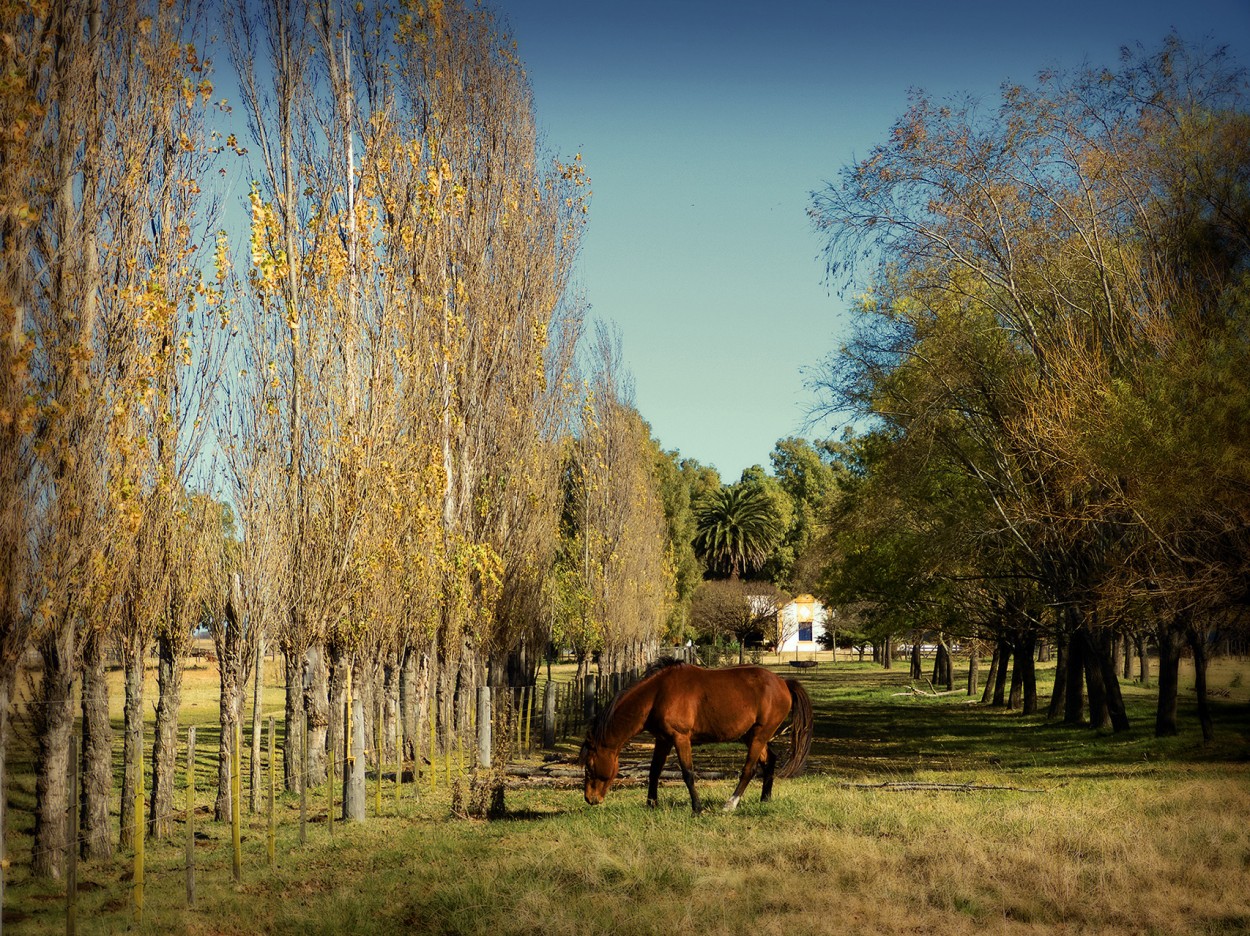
{"x":801,"y":624}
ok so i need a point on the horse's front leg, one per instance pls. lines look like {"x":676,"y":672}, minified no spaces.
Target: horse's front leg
{"x":662,"y":748}
{"x":756,"y":748}
{"x":686,"y":760}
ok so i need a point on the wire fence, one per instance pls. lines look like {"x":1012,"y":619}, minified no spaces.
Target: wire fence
{"x":524,"y":720}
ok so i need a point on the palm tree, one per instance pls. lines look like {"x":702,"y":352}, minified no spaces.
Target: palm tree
{"x":736,"y":529}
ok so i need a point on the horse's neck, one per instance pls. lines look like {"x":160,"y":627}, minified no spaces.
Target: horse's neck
{"x":631,"y":714}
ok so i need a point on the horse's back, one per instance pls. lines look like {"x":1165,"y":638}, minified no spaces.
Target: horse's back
{"x":719,"y":704}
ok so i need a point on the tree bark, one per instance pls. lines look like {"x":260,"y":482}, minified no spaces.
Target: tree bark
{"x":54,"y":723}
{"x":1058,"y":692}
{"x":1099,"y":713}
{"x":316,"y":704}
{"x":1198,"y":644}
{"x":133,"y":653}
{"x":991,"y":678}
{"x":408,"y":720}
{"x":1116,"y":712}
{"x":165,"y":739}
{"x":1143,"y":661}
{"x":1074,"y":692}
{"x":97,"y":752}
{"x":229,"y":714}
{"x":1026,"y":663}
{"x":974,"y":667}
{"x":254,"y":783}
{"x":1000,"y":681}
{"x":1169,"y":680}
{"x":917,"y":672}
{"x":293,"y":713}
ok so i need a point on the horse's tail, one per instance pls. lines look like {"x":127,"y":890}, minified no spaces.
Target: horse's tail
{"x":800,"y":730}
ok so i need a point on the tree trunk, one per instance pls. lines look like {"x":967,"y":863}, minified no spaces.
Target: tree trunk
{"x":1198,"y":644}
{"x":1000,"y":681}
{"x":1169,"y":680}
{"x":1116,"y":712}
{"x":1016,"y":697}
{"x":1143,"y":661}
{"x":1026,"y":663}
{"x":336,"y":699}
{"x":974,"y":667}
{"x":1099,"y":713}
{"x":254,"y":782}
{"x":316,"y":704}
{"x":408,"y":721}
{"x":54,"y":724}
{"x":917,"y":671}
{"x":991,"y":678}
{"x":888,"y":662}
{"x":293,"y":713}
{"x":6,"y":694}
{"x":133,"y":654}
{"x":1059,"y":691}
{"x":1074,"y":692}
{"x":97,"y":752}
{"x":165,"y":740}
{"x":229,"y":714}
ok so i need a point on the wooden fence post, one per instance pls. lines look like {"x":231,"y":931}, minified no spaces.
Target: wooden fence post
{"x":191,"y":816}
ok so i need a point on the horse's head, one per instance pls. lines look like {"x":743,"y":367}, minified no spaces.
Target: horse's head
{"x":601,"y":766}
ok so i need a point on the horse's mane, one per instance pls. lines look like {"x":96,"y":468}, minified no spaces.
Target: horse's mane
{"x":598,"y":728}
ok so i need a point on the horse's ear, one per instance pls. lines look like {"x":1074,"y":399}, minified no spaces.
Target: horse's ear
{"x":584,"y":754}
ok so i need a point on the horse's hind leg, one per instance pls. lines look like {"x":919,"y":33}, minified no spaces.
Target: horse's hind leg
{"x":686,"y":760}
{"x":770,"y":767}
{"x":756,"y":749}
{"x":662,"y":748}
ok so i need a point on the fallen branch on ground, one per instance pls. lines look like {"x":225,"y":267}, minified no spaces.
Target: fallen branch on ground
{"x":908,"y":786}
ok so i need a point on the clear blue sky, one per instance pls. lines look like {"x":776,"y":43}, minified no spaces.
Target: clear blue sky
{"x":704,"y":125}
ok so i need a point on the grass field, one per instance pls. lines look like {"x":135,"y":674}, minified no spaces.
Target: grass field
{"x":1058,"y":830}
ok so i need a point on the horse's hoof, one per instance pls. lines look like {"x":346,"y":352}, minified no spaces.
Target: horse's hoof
{"x":653,"y":804}
{"x":731,"y":805}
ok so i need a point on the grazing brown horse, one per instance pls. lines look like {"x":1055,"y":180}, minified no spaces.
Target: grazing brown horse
{"x":683,"y":705}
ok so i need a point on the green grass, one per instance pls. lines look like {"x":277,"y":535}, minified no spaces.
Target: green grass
{"x":1132,"y":834}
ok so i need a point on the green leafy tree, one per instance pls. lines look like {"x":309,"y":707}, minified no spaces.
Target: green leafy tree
{"x":737,"y":528}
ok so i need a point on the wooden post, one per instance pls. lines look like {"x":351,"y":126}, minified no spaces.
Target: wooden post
{"x":236,"y":801}
{"x":273,"y":782}
{"x":140,"y":831}
{"x":71,"y":843}
{"x":483,"y":727}
{"x":191,"y":816}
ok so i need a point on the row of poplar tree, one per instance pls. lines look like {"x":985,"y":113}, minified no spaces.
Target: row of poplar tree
{"x":344,"y":414}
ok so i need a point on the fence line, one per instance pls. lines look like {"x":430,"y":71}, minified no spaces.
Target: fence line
{"x":515,"y":710}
